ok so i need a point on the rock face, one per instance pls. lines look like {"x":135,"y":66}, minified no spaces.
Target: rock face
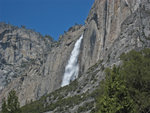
{"x":113,"y":27}
{"x":34,"y":65}
{"x":103,"y":27}
{"x":18,"y":47}
{"x":31,"y":64}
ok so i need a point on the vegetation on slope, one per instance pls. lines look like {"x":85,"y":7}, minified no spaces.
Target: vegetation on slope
{"x":12,"y":104}
{"x":126,"y":88}
{"x":56,"y":100}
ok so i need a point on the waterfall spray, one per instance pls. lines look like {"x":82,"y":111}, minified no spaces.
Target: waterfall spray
{"x":72,"y":68}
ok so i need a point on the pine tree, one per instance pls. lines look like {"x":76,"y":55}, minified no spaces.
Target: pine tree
{"x":116,"y":98}
{"x":126,"y":88}
{"x":4,"y":106}
{"x":136,"y":71}
{"x":12,"y":105}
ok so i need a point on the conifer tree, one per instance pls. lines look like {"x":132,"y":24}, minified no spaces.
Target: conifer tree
{"x":4,"y":106}
{"x":116,"y":97}
{"x":12,"y":105}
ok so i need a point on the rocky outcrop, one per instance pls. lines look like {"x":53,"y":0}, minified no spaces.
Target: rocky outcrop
{"x":103,"y":27}
{"x":18,"y":48}
{"x":113,"y":27}
{"x":32,"y":64}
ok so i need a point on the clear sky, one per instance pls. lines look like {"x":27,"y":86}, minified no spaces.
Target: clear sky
{"x":51,"y":17}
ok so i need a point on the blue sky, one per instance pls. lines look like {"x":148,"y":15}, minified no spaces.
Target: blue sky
{"x":51,"y":17}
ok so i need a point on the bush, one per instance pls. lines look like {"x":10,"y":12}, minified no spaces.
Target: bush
{"x":12,"y":105}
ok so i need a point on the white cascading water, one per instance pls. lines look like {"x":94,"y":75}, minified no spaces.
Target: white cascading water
{"x":72,"y":68}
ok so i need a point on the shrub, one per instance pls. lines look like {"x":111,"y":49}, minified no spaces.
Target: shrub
{"x":12,"y":105}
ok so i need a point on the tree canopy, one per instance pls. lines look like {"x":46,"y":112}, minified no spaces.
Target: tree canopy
{"x":126,"y":88}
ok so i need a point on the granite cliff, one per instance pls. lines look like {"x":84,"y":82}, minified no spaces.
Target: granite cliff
{"x":34,"y":65}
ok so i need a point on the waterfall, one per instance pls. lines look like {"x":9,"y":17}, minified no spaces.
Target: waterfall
{"x":72,"y":68}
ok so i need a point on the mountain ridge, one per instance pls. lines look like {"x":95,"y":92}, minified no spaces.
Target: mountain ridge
{"x":112,"y":28}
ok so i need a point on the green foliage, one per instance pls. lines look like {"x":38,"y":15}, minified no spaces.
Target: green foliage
{"x":126,"y":88}
{"x":39,"y":107}
{"x":116,"y":97}
{"x":56,"y":100}
{"x":136,"y":72}
{"x":4,"y":107}
{"x":85,"y":107}
{"x":94,"y":66}
{"x":12,"y":105}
